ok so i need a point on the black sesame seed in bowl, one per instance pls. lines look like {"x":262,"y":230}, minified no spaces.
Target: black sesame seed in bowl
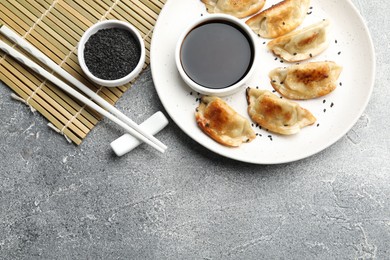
{"x":111,"y":53}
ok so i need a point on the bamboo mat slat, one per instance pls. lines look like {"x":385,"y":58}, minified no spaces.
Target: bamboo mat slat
{"x":55,"y":27}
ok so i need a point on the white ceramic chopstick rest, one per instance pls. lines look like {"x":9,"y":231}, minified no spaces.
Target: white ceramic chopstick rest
{"x":127,"y":142}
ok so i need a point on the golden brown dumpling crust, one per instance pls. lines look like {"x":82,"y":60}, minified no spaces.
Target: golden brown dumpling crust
{"x":237,"y":8}
{"x":306,"y":81}
{"x":217,"y":119}
{"x":277,"y":115}
{"x":302,"y":44}
{"x":279,"y":19}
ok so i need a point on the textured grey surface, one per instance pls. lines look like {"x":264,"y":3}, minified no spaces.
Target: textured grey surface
{"x":59,"y":201}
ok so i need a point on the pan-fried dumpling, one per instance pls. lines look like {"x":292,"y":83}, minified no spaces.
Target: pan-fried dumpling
{"x":237,"y":8}
{"x":217,"y":119}
{"x":279,"y":19}
{"x":302,"y":44}
{"x":306,"y":81}
{"x":277,"y":115}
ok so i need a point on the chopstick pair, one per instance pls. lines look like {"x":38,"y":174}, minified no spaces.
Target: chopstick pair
{"x":116,"y":116}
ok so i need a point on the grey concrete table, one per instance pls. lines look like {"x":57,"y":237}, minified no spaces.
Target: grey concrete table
{"x":59,"y":201}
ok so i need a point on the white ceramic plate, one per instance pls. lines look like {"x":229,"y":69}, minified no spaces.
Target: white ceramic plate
{"x":336,"y":113}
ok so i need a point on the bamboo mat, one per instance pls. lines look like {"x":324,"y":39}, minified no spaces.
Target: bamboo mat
{"x":55,"y":27}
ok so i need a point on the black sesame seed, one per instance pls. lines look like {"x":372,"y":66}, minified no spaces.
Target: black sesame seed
{"x":295,"y":53}
{"x":276,"y":58}
{"x":284,"y":23}
{"x":264,"y":42}
{"x":114,"y":62}
{"x":335,"y":41}
{"x":340,"y":83}
{"x":273,"y":81}
{"x":274,"y":91}
{"x":332,"y":104}
{"x":324,"y":101}
{"x":311,"y":7}
{"x":207,"y":125}
{"x":309,"y":13}
{"x":257,"y":87}
{"x":324,"y":110}
{"x":282,"y":82}
{"x":318,"y":125}
{"x":311,"y":55}
{"x":281,"y":61}
{"x":339,"y":53}
{"x":191,"y":93}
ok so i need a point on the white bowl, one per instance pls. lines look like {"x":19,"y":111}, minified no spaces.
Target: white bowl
{"x":209,"y":90}
{"x":106,"y":25}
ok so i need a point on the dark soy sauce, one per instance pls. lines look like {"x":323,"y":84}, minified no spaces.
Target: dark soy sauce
{"x":216,"y":54}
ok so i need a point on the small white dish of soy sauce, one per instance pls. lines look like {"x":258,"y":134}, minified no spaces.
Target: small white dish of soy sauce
{"x":216,"y":55}
{"x":111,"y":53}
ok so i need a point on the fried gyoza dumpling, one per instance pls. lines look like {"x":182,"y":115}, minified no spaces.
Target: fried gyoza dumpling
{"x":217,"y":119}
{"x":302,"y":44}
{"x":306,"y":81}
{"x":277,"y":115}
{"x":237,"y":8}
{"x":279,"y":19}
